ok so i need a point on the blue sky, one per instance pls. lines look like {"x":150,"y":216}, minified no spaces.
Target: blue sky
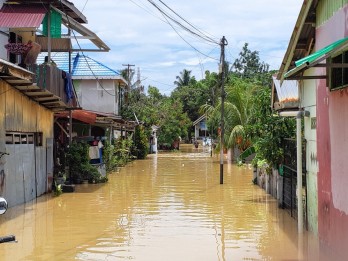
{"x":138,"y":34}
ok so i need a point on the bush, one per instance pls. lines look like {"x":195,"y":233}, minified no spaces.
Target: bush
{"x":79,"y":166}
{"x":141,"y":144}
{"x":117,"y":154}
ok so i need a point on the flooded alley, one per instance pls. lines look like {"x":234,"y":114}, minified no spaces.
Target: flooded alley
{"x":167,"y":207}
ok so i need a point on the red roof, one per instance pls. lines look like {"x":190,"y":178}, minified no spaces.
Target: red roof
{"x":14,"y":16}
{"x":81,"y":115}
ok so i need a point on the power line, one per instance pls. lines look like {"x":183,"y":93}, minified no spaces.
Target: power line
{"x":187,"y":41}
{"x":84,"y":6}
{"x":99,"y":82}
{"x":199,"y":35}
{"x":156,"y":16}
{"x":208,"y":37}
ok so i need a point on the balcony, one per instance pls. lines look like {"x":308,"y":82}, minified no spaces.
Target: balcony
{"x":42,"y":83}
{"x":48,"y":87}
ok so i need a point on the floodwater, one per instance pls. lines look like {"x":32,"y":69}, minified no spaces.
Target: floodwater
{"x":167,"y":207}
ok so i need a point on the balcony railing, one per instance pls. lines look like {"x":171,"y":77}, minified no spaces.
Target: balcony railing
{"x":50,"y":78}
{"x":52,"y":90}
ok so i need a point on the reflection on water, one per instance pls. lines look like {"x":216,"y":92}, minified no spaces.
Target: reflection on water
{"x":167,"y":207}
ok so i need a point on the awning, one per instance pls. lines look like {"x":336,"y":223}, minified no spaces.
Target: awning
{"x":81,"y":115}
{"x":315,"y":58}
{"x":16,"y":16}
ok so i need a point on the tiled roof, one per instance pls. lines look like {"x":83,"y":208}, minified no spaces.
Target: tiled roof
{"x":83,"y":67}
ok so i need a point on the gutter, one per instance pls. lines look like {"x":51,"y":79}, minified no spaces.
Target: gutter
{"x":298,"y":115}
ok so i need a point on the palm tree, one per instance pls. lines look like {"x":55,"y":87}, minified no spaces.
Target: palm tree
{"x":238,"y":109}
{"x":184,"y":79}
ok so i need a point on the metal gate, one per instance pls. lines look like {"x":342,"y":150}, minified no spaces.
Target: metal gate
{"x":20,"y":168}
{"x":290,"y":178}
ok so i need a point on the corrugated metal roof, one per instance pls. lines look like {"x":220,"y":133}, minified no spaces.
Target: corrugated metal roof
{"x":317,"y":57}
{"x":83,"y":67}
{"x":288,"y":91}
{"x":14,"y":16}
{"x":86,"y":66}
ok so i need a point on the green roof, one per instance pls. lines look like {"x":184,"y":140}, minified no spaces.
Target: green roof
{"x":316,"y":57}
{"x":325,"y":51}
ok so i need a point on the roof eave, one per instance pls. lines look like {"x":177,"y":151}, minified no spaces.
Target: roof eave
{"x":294,"y":38}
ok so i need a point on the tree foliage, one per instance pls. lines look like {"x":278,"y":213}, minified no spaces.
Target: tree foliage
{"x":141,"y":144}
{"x":184,"y":79}
{"x":248,"y":117}
{"x":249,"y":65}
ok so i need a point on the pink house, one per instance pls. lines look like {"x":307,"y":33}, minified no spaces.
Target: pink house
{"x":317,"y":56}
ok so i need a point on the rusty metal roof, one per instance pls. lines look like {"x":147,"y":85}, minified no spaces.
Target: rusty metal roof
{"x":16,"y":16}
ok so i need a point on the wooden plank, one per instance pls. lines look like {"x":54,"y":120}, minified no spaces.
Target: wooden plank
{"x":27,"y":87}
{"x":17,"y":81}
{"x":39,"y":93}
{"x":50,"y":98}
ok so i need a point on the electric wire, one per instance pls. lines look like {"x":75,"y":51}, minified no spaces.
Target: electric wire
{"x":208,"y":37}
{"x":148,"y":11}
{"x":202,"y":37}
{"x":83,"y":8}
{"x":84,"y":56}
{"x":194,"y":48}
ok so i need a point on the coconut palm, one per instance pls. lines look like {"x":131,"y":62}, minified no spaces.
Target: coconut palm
{"x":238,"y":108}
{"x":184,"y":79}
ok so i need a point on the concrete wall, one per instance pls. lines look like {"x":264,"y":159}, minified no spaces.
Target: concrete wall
{"x":101,"y":97}
{"x":332,"y":129}
{"x":271,"y":183}
{"x":308,"y":102}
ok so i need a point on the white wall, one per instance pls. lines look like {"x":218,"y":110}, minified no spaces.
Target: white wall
{"x":308,"y":102}
{"x":100,"y":97}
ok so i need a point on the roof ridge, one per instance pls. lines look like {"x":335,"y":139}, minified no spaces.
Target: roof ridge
{"x":101,"y":64}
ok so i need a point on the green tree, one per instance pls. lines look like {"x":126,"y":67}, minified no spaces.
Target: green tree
{"x":268,"y":129}
{"x":184,"y":79}
{"x":249,"y":65}
{"x":238,"y":109}
{"x":141,"y":144}
{"x":173,"y":124}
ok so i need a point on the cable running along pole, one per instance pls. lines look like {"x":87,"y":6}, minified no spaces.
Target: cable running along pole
{"x":223,"y":43}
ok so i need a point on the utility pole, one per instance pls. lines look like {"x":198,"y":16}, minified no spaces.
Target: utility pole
{"x":128,"y":73}
{"x":128,"y":80}
{"x":223,"y":43}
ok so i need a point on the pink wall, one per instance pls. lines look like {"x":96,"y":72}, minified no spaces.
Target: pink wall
{"x":332,"y":139}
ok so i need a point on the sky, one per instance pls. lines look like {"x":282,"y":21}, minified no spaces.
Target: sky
{"x":138,"y":34}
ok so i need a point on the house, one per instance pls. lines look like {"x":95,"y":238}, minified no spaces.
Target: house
{"x":31,"y":93}
{"x":98,"y":87}
{"x":201,"y":129}
{"x":317,"y":57}
{"x":100,"y":92}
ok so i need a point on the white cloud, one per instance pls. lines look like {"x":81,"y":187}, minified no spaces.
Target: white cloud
{"x":140,"y":35}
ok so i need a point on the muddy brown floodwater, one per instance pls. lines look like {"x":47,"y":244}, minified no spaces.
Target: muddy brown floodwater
{"x":167,"y":207}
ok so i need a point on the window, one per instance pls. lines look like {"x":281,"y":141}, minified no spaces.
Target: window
{"x":339,"y":76}
{"x":21,"y":138}
{"x":24,"y":139}
{"x":9,"y":138}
